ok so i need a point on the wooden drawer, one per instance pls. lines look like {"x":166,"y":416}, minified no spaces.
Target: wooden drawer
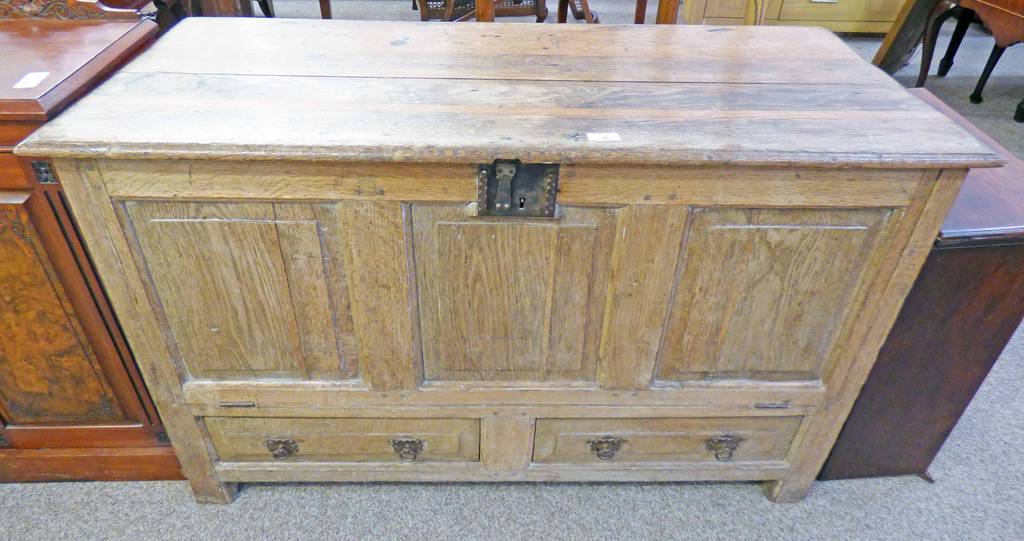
{"x":665,"y":440}
{"x":345,"y":440}
{"x":839,"y":10}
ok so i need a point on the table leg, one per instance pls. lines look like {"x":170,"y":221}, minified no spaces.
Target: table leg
{"x":641,"y":12}
{"x":485,"y":11}
{"x":993,"y":59}
{"x":668,"y":12}
{"x":963,"y":22}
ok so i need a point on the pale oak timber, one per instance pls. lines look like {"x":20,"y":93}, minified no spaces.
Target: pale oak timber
{"x":711,"y":287}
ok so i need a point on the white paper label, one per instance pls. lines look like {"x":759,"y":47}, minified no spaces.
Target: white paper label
{"x":603,"y":137}
{"x":31,"y":79}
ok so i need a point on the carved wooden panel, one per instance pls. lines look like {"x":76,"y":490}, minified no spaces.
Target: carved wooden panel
{"x":250,"y":290}
{"x":59,"y":9}
{"x":762,"y":293}
{"x":511,"y":299}
{"x":48,"y":372}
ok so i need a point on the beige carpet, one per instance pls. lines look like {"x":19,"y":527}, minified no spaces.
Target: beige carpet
{"x":979,"y":473}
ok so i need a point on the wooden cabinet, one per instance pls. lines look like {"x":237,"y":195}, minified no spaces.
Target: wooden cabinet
{"x":451,"y":267}
{"x":960,"y":314}
{"x":72,"y":405}
{"x":869,"y":16}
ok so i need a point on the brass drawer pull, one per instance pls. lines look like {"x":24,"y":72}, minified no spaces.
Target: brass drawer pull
{"x":606,"y":447}
{"x":407,"y":448}
{"x":281,"y":449}
{"x":724,"y":446}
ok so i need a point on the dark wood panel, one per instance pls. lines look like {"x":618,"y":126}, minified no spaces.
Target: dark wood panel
{"x":956,"y":321}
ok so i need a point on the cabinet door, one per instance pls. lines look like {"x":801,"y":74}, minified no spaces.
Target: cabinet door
{"x":511,"y":299}
{"x":763,"y":293}
{"x":48,"y":370}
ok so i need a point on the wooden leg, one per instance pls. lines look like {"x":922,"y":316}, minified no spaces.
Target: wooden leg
{"x":668,"y":12}
{"x":542,"y":10}
{"x":267,"y":7}
{"x":993,"y":59}
{"x":563,"y":10}
{"x":963,"y":22}
{"x":485,"y":11}
{"x":1019,"y":115}
{"x":325,"y":9}
{"x":222,"y":493}
{"x":641,"y":12}
{"x":931,"y":34}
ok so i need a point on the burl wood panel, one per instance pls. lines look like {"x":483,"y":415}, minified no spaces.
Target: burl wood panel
{"x":511,"y":300}
{"x":48,"y":372}
{"x":250,"y":290}
{"x":789,"y":269}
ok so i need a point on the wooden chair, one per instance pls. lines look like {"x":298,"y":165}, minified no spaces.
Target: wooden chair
{"x":668,"y":11}
{"x":580,"y":11}
{"x":1004,"y":18}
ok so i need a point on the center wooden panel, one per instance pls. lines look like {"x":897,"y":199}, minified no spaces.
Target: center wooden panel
{"x":250,"y":290}
{"x":511,"y":299}
{"x":763,"y":292}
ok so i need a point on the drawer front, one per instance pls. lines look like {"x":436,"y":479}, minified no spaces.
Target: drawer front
{"x":839,"y":10}
{"x":345,"y":440}
{"x":665,"y":440}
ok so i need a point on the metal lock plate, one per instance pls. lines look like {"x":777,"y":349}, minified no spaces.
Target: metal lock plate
{"x":513,"y":188}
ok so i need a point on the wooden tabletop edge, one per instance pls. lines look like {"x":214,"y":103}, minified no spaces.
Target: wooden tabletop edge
{"x":647,"y":156}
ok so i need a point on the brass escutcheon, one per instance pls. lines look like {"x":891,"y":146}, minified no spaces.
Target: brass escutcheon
{"x":723,"y":446}
{"x":281,"y":449}
{"x":605,"y":447}
{"x":407,"y":448}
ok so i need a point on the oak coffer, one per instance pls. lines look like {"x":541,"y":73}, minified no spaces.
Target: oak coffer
{"x":374,"y":251}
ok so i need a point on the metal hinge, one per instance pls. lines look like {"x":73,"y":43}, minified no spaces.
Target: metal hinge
{"x":513,"y":188}
{"x":44,"y":172}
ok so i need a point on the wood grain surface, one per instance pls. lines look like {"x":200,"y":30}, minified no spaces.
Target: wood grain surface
{"x":671,"y":94}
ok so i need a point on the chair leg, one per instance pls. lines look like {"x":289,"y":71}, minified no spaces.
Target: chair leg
{"x":993,"y":59}
{"x":563,"y":10}
{"x":542,"y":10}
{"x":1019,"y":115}
{"x":266,"y":7}
{"x":963,"y":22}
{"x":938,"y":16}
{"x":325,"y":9}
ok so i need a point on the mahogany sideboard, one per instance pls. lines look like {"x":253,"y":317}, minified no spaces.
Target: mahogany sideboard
{"x":622,"y":253}
{"x":961,"y":312}
{"x":72,"y":404}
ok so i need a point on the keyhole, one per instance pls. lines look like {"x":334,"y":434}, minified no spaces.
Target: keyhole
{"x":522,"y":202}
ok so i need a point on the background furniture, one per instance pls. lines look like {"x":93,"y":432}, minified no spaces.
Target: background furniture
{"x":1004,"y":18}
{"x":872,"y":16}
{"x":72,"y":405}
{"x":964,"y":307}
{"x":371,"y":294}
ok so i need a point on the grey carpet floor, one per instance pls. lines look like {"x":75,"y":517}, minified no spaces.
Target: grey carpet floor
{"x":979,"y":473}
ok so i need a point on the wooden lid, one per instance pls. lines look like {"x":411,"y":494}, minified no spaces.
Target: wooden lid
{"x":395,"y":91}
{"x":990,"y":205}
{"x":47,"y":61}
